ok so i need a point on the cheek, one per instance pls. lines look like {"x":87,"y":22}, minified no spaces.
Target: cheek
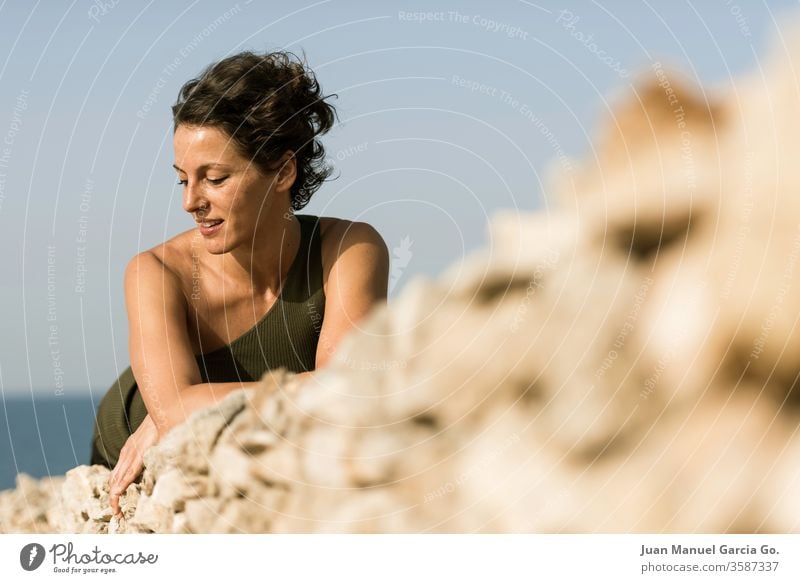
{"x":252,"y":200}
{"x":229,"y":198}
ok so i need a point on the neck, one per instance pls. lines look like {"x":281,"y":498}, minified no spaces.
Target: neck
{"x":261,"y":266}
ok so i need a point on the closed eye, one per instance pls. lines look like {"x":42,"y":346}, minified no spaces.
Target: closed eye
{"x":214,"y":181}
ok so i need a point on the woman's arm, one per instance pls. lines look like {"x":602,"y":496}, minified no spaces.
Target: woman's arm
{"x":161,"y":356}
{"x":161,"y":360}
{"x":203,"y":395}
{"x":356,"y":280}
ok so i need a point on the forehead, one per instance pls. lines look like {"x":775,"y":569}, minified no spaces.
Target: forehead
{"x":195,"y":145}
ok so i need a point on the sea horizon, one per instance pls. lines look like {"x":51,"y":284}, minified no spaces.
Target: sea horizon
{"x":43,"y":434}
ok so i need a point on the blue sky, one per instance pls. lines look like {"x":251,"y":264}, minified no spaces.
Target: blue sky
{"x":449,"y":111}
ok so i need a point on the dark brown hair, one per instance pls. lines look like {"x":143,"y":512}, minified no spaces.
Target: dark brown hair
{"x":268,"y":104}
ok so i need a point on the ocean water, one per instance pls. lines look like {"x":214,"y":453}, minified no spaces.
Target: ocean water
{"x":43,"y":436}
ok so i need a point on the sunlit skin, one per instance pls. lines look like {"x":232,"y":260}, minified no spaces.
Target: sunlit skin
{"x":242,"y":267}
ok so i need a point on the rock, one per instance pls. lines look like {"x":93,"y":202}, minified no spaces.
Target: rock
{"x":32,"y":506}
{"x":625,"y":362}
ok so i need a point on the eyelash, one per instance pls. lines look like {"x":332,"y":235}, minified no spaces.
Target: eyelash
{"x":215,"y":182}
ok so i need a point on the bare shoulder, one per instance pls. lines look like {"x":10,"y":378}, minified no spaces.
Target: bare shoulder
{"x":148,"y":268}
{"x":349,"y":243}
{"x":173,"y":254}
{"x":163,"y":266}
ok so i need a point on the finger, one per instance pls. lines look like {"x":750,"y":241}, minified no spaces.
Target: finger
{"x":113,"y":480}
{"x":115,"y":472}
{"x":125,"y":469}
{"x":122,"y":463}
{"x":128,"y":476}
{"x":113,"y":501}
{"x":120,"y":476}
{"x":125,"y":478}
{"x":114,"y":487}
{"x":112,"y":483}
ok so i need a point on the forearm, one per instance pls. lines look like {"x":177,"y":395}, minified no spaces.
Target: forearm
{"x":190,"y":399}
{"x":200,"y":396}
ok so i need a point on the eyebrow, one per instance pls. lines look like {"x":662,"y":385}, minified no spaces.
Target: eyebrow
{"x":203,"y":167}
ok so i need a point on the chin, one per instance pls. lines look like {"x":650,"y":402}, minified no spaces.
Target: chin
{"x":220,"y":244}
{"x":214,"y":250}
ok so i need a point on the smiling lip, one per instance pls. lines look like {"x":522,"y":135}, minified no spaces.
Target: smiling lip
{"x":208,"y":231}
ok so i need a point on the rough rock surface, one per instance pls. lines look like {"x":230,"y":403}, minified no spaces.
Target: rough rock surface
{"x":626,"y":361}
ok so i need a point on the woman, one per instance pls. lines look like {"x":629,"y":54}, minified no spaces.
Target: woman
{"x":255,"y":286}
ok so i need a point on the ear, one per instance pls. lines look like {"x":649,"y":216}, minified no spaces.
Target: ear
{"x":286,"y":172}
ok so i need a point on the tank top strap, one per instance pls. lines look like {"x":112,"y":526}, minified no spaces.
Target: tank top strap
{"x":305,"y":275}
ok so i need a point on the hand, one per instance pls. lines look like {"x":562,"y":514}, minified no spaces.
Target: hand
{"x":131,"y":461}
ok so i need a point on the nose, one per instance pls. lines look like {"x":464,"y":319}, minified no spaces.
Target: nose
{"x":193,"y":202}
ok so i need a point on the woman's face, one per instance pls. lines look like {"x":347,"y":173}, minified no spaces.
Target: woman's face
{"x":219,"y":184}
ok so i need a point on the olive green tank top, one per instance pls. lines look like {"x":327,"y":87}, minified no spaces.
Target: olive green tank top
{"x":287,"y":336}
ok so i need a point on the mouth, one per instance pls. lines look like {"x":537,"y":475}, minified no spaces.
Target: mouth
{"x":210,"y":226}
